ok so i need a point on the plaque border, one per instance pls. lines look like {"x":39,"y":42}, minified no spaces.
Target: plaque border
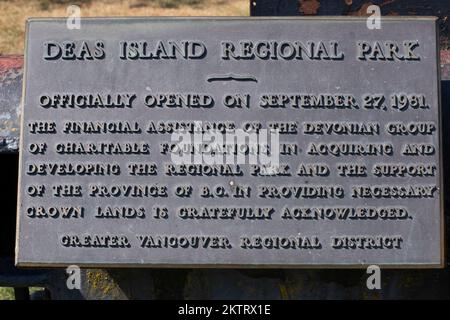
{"x":442,"y":236}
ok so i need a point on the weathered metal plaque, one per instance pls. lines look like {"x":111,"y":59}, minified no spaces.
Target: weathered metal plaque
{"x":231,"y":143}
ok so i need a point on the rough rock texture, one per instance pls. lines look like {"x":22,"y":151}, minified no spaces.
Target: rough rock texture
{"x":237,"y":284}
{"x":10,"y":93}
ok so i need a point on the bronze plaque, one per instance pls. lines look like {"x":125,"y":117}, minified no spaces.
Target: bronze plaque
{"x":180,"y":142}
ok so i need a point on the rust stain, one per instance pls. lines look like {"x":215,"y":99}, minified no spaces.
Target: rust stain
{"x":362,"y":11}
{"x":445,"y":57}
{"x":309,"y":7}
{"x":10,"y":62}
{"x":11,"y":68}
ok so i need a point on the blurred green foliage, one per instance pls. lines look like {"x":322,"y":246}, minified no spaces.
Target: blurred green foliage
{"x":6,"y":293}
